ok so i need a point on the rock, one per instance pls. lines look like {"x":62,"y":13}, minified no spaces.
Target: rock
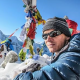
{"x":11,"y":57}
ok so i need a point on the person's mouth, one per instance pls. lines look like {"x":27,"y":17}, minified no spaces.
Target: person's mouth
{"x":51,"y":45}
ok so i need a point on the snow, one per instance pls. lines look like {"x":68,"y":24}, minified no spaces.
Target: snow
{"x":11,"y":69}
{"x":5,"y":74}
{"x":15,"y":42}
{"x":2,"y":53}
{"x":18,"y":44}
{"x":8,"y":72}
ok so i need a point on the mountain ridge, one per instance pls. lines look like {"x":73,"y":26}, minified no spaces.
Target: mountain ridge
{"x":17,"y":44}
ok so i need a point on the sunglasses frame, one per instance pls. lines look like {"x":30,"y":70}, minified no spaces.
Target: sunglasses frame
{"x":51,"y":34}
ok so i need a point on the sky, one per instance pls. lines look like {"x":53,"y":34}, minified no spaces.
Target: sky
{"x":12,"y":15}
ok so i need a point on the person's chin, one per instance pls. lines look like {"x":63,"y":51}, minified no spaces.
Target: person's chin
{"x":51,"y":50}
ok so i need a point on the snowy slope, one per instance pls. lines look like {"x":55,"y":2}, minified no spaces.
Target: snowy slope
{"x":2,"y":53}
{"x":40,"y":45}
{"x":18,"y":44}
{"x":7,"y":71}
{"x":15,"y":42}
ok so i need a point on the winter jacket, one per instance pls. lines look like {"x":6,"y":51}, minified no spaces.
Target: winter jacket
{"x":9,"y":45}
{"x":65,"y":67}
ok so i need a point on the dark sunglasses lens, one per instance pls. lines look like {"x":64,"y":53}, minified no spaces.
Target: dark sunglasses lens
{"x":44,"y":36}
{"x":53,"y":34}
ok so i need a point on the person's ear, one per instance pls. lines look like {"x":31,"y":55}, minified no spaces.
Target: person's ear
{"x":67,"y":38}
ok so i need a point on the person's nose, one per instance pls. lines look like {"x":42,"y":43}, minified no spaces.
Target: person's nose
{"x":48,"y":38}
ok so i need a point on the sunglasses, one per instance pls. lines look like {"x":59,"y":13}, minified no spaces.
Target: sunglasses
{"x":51,"y":34}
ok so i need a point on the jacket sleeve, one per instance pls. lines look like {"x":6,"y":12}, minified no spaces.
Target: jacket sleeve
{"x":67,"y":67}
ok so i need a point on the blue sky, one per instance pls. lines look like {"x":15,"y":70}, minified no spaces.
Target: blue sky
{"x":12,"y":15}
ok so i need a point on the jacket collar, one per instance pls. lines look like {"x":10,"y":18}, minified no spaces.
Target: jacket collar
{"x":62,"y":50}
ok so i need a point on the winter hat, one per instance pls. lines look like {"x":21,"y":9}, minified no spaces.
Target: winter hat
{"x":57,"y":24}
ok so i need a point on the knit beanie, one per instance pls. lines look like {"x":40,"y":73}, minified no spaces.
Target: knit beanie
{"x":57,"y":24}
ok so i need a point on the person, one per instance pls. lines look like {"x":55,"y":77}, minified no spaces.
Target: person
{"x":9,"y":45}
{"x":5,"y":55}
{"x":66,"y":63}
{"x":2,"y":48}
{"x":38,"y":50}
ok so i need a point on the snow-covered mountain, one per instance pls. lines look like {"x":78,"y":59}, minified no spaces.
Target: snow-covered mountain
{"x":10,"y":69}
{"x":15,"y":42}
{"x":18,"y":44}
{"x":40,"y":45}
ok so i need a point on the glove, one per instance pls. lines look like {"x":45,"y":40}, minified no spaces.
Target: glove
{"x":33,"y":67}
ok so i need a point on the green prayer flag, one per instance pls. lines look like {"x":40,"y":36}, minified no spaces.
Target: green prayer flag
{"x":24,"y":6}
{"x":71,"y":30}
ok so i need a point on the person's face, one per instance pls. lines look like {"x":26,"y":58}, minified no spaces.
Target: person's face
{"x":56,"y":43}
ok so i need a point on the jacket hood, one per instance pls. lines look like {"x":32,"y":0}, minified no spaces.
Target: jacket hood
{"x":74,"y":45}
